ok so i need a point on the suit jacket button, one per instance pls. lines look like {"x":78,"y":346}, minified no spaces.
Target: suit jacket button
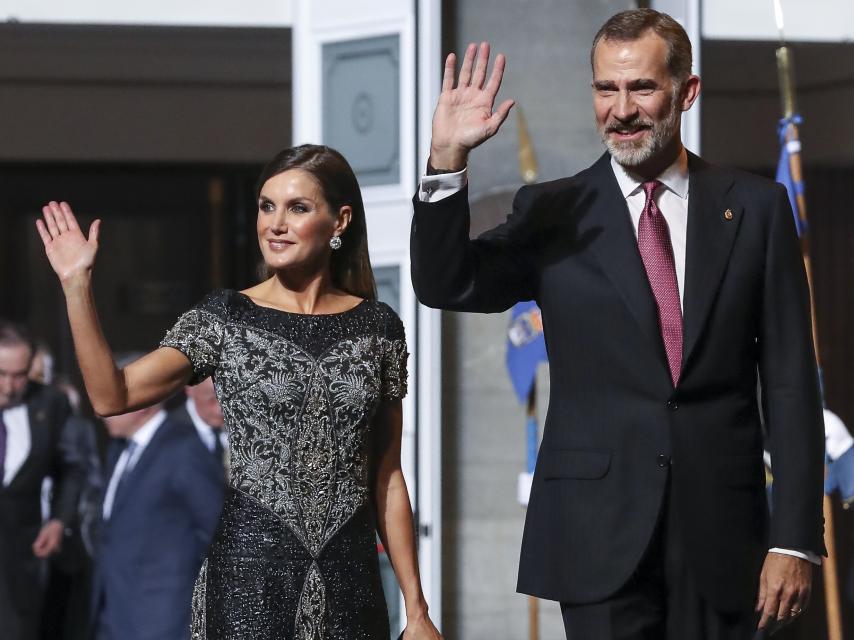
{"x":672,"y":405}
{"x":663,"y":461}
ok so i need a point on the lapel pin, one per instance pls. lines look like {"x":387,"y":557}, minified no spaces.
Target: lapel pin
{"x":728,"y":214}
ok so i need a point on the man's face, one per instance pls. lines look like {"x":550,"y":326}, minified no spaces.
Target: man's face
{"x":126,"y":424}
{"x":14,"y":370}
{"x":207,"y":406}
{"x":636,"y":101}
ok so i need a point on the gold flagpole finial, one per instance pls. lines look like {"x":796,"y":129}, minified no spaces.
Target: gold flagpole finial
{"x":527,"y":160}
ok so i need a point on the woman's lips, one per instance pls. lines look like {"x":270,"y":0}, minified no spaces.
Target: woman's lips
{"x":278,"y":246}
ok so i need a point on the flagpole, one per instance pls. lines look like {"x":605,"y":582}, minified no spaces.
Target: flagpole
{"x":528,"y":170}
{"x":785,"y":72}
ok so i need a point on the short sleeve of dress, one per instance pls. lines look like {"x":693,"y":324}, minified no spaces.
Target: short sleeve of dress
{"x":395,"y":355}
{"x":198,"y":334}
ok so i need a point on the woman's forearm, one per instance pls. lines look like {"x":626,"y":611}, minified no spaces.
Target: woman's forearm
{"x":105,"y":384}
{"x":397,"y":532}
{"x":72,"y":257}
{"x":152,"y":378}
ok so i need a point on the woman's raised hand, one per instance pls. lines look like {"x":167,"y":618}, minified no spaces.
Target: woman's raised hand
{"x":70,"y":253}
{"x":464,"y":116}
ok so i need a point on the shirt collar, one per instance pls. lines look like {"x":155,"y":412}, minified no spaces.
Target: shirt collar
{"x":674,"y":177}
{"x":146,"y":432}
{"x":201,"y":426}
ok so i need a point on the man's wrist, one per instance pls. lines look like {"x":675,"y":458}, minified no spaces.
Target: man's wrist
{"x":446,"y":161}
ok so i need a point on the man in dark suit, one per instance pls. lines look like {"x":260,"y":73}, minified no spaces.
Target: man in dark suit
{"x":161,"y":507}
{"x":34,"y":445}
{"x":203,"y":411}
{"x":668,"y":289}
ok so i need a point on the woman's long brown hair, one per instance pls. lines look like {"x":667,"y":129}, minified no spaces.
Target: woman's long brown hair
{"x":350,"y":265}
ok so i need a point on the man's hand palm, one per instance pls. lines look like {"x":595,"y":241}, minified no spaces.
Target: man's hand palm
{"x":464,"y":116}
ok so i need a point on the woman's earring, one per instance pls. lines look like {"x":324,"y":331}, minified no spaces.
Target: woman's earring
{"x":335,"y":243}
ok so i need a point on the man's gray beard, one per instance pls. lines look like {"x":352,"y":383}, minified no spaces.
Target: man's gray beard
{"x":632,"y":154}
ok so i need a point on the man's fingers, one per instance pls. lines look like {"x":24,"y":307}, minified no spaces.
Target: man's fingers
{"x":788,"y":605}
{"x":480,"y":67}
{"x":500,"y":115}
{"x":468,"y":63}
{"x":760,"y":600}
{"x":496,"y":76}
{"x":448,"y":75}
{"x":771,"y":607}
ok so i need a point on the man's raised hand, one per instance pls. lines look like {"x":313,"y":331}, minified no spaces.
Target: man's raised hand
{"x":464,"y":116}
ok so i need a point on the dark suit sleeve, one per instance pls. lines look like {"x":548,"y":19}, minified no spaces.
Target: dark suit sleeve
{"x":69,"y":474}
{"x":200,"y":481}
{"x":790,"y":387}
{"x":488,"y":274}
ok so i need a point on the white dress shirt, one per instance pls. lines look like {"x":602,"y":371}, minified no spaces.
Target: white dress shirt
{"x":672,"y":200}
{"x":207,"y":433}
{"x":18,"y":441}
{"x":141,"y":438}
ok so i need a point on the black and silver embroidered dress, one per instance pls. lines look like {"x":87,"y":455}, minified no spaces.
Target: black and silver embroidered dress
{"x":294,"y":556}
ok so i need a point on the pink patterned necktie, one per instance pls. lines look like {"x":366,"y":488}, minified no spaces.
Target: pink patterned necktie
{"x":657,"y":255}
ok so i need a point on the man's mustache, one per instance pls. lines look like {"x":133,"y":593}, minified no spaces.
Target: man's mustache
{"x":628,"y":127}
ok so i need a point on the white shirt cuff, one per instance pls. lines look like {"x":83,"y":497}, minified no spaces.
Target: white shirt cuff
{"x":440,"y":186}
{"x":809,"y":556}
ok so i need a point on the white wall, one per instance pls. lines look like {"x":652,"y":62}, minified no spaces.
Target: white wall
{"x":805,"y":20}
{"x":226,"y":13}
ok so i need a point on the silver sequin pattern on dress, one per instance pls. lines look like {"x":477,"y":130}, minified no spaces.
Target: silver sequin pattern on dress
{"x":298,"y":394}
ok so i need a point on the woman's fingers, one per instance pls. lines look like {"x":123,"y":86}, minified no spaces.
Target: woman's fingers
{"x":43,"y":232}
{"x":68,"y":215}
{"x":59,"y":217}
{"x":94,"y":231}
{"x":50,"y":221}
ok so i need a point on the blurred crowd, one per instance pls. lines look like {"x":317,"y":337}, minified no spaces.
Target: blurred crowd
{"x":104,"y":524}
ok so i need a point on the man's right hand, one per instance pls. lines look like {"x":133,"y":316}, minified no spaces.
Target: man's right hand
{"x":464,"y":116}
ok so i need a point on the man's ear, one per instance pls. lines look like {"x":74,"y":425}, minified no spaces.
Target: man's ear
{"x":690,"y":92}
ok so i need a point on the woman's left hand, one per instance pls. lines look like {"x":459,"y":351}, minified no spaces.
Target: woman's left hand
{"x":420,"y":628}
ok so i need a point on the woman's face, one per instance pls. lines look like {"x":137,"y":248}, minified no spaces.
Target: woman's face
{"x":295,"y":222}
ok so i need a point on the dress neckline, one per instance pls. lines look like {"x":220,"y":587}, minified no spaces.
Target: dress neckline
{"x":252,"y":302}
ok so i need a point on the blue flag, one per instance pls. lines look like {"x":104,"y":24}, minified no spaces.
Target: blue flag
{"x":784,"y":172}
{"x":526,"y":347}
{"x":840,"y":458}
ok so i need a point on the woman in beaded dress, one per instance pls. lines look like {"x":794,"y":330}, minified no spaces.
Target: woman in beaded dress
{"x":310,"y":370}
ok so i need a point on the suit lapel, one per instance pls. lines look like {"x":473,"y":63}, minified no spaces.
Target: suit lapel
{"x":39,"y":440}
{"x":713,"y":221}
{"x":129,"y":486}
{"x":618,"y":254}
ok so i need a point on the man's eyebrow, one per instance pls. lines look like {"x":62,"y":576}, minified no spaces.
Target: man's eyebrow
{"x":643,"y":83}
{"x":634,"y":85}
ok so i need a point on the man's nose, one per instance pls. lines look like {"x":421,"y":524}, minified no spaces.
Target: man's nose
{"x":625,"y":107}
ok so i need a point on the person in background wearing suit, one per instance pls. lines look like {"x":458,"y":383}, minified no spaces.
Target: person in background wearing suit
{"x":160,"y":509}
{"x":69,"y":573}
{"x":34,"y":445}
{"x":666,"y":287}
{"x":202,"y":410}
